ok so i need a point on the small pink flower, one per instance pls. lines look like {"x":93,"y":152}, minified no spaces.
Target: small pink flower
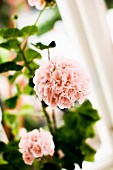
{"x":23,"y":145}
{"x":36,"y":144}
{"x":32,"y":2}
{"x":61,"y":82}
{"x":28,"y":158}
{"x":39,"y":4}
{"x":37,"y":150}
{"x":47,"y":142}
{"x":34,"y":135}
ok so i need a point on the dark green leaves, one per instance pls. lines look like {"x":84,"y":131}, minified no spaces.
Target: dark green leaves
{"x":10,"y":44}
{"x":11,"y":102}
{"x":52,"y":44}
{"x":87,"y":112}
{"x":11,"y":33}
{"x":8,"y":66}
{"x":13,"y":158}
{"x":41,"y":46}
{"x":71,"y":138}
{"x":2,"y":146}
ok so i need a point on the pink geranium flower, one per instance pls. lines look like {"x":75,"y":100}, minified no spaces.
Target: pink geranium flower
{"x":28,"y":158}
{"x":47,"y":142}
{"x":37,"y":150}
{"x":61,"y":82}
{"x":36,"y":144}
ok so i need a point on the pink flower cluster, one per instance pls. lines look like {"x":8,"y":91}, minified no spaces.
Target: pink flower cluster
{"x":61,"y":82}
{"x":39,"y":4}
{"x":36,"y":144}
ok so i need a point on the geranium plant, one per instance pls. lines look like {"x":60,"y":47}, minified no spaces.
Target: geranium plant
{"x":62,"y":86}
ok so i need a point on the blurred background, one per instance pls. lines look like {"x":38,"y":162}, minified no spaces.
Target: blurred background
{"x":82,"y":30}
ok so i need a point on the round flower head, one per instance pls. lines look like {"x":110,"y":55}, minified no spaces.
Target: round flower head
{"x":61,"y":82}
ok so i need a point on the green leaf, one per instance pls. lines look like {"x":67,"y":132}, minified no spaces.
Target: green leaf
{"x":27,"y":109}
{"x":11,"y":102}
{"x":29,"y":30}
{"x":52,"y":44}
{"x":34,"y":66}
{"x":9,"y":33}
{"x":31,"y":84}
{"x":4,"y":55}
{"x":41,"y":46}
{"x":28,"y":90}
{"x":10,"y":44}
{"x":2,"y":146}
{"x":2,"y":161}
{"x":32,"y":54}
{"x":109,"y":4}
{"x":86,"y":111}
{"x":19,"y":57}
{"x":50,"y":17}
{"x":11,"y":120}
{"x":12,"y":33}
{"x":8,"y":66}
{"x":88,"y":151}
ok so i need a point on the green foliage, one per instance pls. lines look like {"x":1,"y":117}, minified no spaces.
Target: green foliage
{"x":50,"y":17}
{"x":2,"y":161}
{"x":12,"y":78}
{"x":4,"y":55}
{"x":12,"y":122}
{"x":73,"y":134}
{"x":41,"y":46}
{"x":11,"y":102}
{"x":32,"y":54}
{"x":8,"y":66}
{"x":33,"y":66}
{"x":12,"y":33}
{"x":9,"y":33}
{"x":52,"y":44}
{"x":2,"y":146}
{"x":31,"y":84}
{"x":19,"y":57}
{"x":28,"y":30}
{"x":109,"y":3}
{"x":27,"y":109}
{"x":88,"y":152}
{"x":28,"y":90}
{"x":10,"y":44}
{"x":13,"y":157}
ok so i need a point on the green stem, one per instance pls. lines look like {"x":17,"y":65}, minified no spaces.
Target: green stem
{"x":48,"y":120}
{"x":25,"y":61}
{"x":34,"y":24}
{"x":38,"y":16}
{"x":54,"y":119}
{"x":48,"y":54}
